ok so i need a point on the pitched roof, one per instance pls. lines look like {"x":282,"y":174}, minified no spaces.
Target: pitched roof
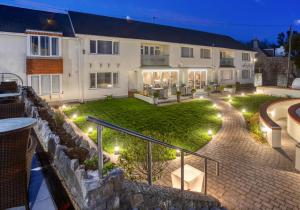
{"x":91,"y":24}
{"x":18,"y":20}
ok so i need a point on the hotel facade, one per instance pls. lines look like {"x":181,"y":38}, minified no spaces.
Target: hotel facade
{"x":77,"y":56}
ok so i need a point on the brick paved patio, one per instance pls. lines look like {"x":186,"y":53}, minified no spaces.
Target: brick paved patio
{"x":252,"y":175}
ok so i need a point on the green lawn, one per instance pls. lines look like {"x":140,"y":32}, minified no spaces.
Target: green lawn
{"x":184,"y":124}
{"x":250,"y":104}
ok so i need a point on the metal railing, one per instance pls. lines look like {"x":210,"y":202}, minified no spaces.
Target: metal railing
{"x":154,"y":60}
{"x":11,"y":77}
{"x":150,"y":141}
{"x":227,"y":62}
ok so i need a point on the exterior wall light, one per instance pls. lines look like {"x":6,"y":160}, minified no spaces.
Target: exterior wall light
{"x":201,"y":97}
{"x":242,"y":94}
{"x":229,"y":96}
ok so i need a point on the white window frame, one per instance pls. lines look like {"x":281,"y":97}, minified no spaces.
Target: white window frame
{"x":249,"y":56}
{"x":156,"y":48}
{"x":249,"y":74}
{"x":191,"y":52}
{"x":111,"y":80}
{"x":39,"y":46}
{"x":112,"y":47}
{"x":51,"y":88}
{"x":203,"y":57}
{"x":231,"y":77}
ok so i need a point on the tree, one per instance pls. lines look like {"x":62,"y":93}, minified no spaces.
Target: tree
{"x":133,"y":159}
{"x":283,"y":40}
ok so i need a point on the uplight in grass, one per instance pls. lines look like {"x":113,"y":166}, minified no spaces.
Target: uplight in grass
{"x":229,"y":96}
{"x":243,"y":110}
{"x":74,"y":116}
{"x":90,"y":130}
{"x":242,"y":94}
{"x":219,"y":115}
{"x":117,"y":150}
{"x":210,"y":132}
{"x":63,"y":106}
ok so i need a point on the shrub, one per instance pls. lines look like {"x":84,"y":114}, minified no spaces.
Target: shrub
{"x":178,"y":93}
{"x":238,"y":86}
{"x":133,"y":160}
{"x":59,"y":118}
{"x":109,"y":97}
{"x":156,"y":94}
{"x":92,"y":164}
{"x":193,"y":90}
{"x":254,"y":127}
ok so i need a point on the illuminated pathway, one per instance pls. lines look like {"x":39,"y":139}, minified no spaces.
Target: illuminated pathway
{"x":252,"y":175}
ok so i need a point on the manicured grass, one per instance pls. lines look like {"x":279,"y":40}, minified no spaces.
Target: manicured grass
{"x":250,"y":104}
{"x":184,"y":124}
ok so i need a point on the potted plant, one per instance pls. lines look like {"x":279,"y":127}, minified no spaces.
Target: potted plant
{"x":155,"y":97}
{"x":193,"y":92}
{"x":178,"y":94}
{"x":221,"y":88}
{"x":208,"y":89}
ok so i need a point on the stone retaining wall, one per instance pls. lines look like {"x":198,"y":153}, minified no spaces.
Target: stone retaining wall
{"x":112,"y":192}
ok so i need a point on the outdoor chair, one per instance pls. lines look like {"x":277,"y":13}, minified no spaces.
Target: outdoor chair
{"x":183,"y":90}
{"x":174,"y":90}
{"x":12,"y":110}
{"x":188,"y":91}
{"x":8,"y":87}
{"x":14,"y":168}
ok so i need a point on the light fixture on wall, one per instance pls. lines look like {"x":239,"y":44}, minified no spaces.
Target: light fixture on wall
{"x":108,"y":65}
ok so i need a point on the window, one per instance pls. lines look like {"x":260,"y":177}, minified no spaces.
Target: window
{"x":93,"y":46}
{"x":44,"y":46}
{"x":34,"y":45}
{"x":35,"y":83}
{"x":115,"y":79}
{"x":46,"y":84}
{"x":116,"y":48}
{"x":104,"y":47}
{"x":55,"y":46}
{"x":245,"y":74}
{"x":104,"y":80}
{"x":205,"y":53}
{"x":55,"y":84}
{"x":227,"y":75}
{"x":92,"y":80}
{"x":246,"y":56}
{"x":150,"y":50}
{"x":187,"y":52}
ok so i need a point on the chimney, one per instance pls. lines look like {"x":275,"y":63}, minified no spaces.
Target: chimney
{"x":256,"y":44}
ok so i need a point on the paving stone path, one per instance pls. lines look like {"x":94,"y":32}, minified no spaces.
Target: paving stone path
{"x":252,"y":175}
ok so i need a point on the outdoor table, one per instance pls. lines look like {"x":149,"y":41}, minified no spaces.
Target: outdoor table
{"x":193,"y":178}
{"x":16,"y":124}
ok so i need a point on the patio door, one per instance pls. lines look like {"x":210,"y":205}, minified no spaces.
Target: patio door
{"x":197,"y":79}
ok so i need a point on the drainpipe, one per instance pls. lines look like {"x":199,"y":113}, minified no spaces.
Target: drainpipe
{"x":79,"y":62}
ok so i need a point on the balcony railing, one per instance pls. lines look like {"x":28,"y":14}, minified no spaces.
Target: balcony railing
{"x":227,"y":62}
{"x":155,"y":60}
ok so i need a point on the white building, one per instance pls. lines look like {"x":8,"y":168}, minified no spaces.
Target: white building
{"x":78,"y":56}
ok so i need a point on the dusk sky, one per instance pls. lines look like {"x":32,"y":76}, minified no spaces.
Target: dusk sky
{"x":241,"y":19}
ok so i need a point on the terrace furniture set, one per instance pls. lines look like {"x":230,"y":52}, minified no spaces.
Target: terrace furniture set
{"x":16,"y":147}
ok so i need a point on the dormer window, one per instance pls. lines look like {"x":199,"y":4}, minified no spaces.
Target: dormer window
{"x":41,"y":45}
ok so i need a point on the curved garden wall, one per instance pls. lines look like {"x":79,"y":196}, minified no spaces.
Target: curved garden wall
{"x":293,"y":122}
{"x":269,"y":113}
